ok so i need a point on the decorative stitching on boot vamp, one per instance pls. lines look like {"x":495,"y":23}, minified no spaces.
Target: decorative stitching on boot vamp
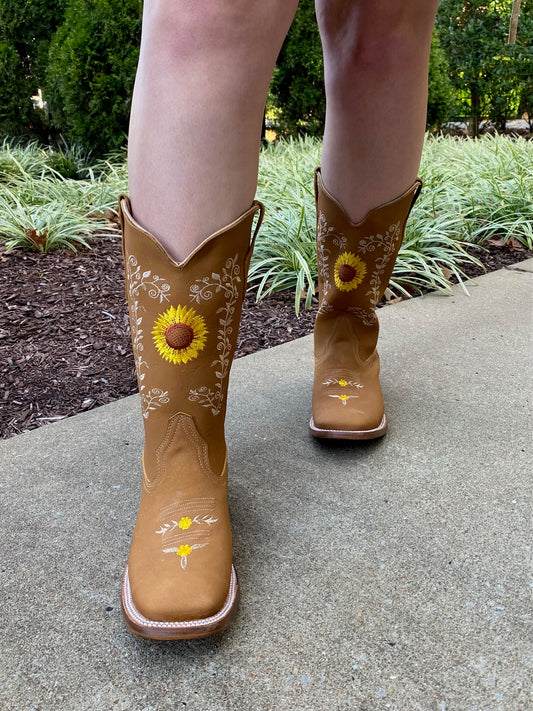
{"x":180,"y":426}
{"x":342,"y":383}
{"x":185,"y":526}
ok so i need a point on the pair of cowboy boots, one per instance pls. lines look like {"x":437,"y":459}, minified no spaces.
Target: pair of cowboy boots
{"x":180,"y":582}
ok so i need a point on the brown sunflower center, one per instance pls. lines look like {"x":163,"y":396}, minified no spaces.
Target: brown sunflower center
{"x":179,"y":336}
{"x":346,"y":272}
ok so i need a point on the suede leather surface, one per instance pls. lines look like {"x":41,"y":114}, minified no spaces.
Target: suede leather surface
{"x":347,"y":394}
{"x":181,"y":556}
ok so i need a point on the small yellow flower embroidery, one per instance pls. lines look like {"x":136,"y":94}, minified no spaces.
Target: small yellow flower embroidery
{"x":184,"y":523}
{"x":179,"y":334}
{"x":349,"y":271}
{"x":343,"y":399}
{"x":184,"y":550}
{"x":343,"y":383}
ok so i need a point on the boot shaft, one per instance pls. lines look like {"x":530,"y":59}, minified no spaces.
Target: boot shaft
{"x":184,"y":320}
{"x":355,"y":260}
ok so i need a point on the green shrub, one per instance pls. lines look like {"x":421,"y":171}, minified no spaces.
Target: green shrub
{"x":93,"y":57}
{"x":440,"y":91}
{"x":297,"y":88}
{"x":25,"y":32}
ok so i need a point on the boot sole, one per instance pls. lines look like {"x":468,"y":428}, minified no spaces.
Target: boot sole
{"x":189,"y":629}
{"x":378,"y":431}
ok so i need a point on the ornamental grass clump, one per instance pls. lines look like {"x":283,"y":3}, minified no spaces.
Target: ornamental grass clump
{"x":474,"y":191}
{"x":41,"y":228}
{"x":486,"y":185}
{"x":42,"y":207}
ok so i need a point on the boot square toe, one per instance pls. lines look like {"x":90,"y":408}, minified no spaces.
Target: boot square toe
{"x":336,"y":433}
{"x":214,"y":623}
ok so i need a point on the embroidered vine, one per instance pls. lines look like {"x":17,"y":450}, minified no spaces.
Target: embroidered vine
{"x":153,"y":399}
{"x":185,"y":523}
{"x":203,"y":290}
{"x":367,"y":316}
{"x":323,"y":252}
{"x":388,"y":242}
{"x":156,"y":288}
{"x":325,"y":307}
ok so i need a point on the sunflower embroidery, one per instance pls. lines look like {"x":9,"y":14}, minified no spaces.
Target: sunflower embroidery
{"x":179,"y":334}
{"x":349,"y":271}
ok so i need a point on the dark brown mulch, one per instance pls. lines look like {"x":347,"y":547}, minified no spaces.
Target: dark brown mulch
{"x":64,"y":332}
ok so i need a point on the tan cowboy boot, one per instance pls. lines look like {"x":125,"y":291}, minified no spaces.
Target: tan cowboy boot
{"x":179,"y":582}
{"x":355,"y":262}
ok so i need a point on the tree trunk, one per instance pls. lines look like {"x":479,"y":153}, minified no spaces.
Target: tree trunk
{"x":475,"y":101}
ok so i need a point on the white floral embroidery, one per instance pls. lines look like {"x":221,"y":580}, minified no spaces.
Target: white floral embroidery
{"x":325,"y":307}
{"x":153,"y":399}
{"x":169,"y":527}
{"x":323,"y":252}
{"x":203,"y":289}
{"x":367,"y":316}
{"x":389,"y":243}
{"x":156,"y":288}
{"x":342,"y":382}
{"x":344,"y":398}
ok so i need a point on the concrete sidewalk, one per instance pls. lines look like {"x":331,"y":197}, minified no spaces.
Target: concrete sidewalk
{"x":393,"y":574}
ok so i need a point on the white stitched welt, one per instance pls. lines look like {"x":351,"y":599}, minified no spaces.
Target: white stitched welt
{"x":140,"y":619}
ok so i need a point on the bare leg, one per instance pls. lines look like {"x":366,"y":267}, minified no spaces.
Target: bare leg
{"x":198,"y":103}
{"x":376,"y":55}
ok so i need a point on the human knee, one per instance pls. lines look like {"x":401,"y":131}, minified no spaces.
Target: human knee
{"x":184,"y":29}
{"x":373,"y":37}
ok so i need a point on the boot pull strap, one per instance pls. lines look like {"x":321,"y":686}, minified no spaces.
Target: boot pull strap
{"x":316,"y":174}
{"x":248,"y":257}
{"x":122,"y":220}
{"x":419,"y":184}
{"x":259,"y":221}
